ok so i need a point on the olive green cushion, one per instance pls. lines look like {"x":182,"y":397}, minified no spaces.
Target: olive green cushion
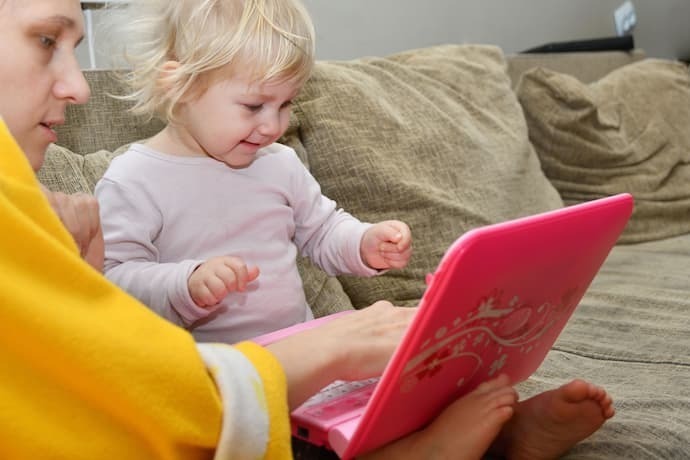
{"x":627,"y":132}
{"x":434,"y":137}
{"x":68,"y":172}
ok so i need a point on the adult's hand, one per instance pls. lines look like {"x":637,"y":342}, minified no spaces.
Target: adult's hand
{"x":351,"y":347}
{"x":79,"y":214}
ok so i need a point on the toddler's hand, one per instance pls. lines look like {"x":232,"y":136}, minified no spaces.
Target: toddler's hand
{"x":387,"y":244}
{"x":217,"y":277}
{"x":79,"y":214}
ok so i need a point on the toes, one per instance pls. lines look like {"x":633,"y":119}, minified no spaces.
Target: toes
{"x":604,"y":400}
{"x":485,"y":387}
{"x":506,"y":396}
{"x":509,"y":400}
{"x":609,"y":412}
{"x":500,"y":415}
{"x":577,"y":390}
{"x":597,"y":392}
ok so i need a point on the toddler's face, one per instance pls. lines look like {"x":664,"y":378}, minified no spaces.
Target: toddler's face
{"x":233,"y":118}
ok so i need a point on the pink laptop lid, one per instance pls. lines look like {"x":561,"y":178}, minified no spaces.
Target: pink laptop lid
{"x":496,"y":304}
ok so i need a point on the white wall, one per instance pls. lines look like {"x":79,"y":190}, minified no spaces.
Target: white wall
{"x":352,"y":28}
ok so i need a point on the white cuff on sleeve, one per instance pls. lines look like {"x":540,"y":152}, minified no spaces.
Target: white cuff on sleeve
{"x":245,"y":430}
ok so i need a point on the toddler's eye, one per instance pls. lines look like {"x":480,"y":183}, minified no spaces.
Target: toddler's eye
{"x":253,"y":107}
{"x":286,"y":104}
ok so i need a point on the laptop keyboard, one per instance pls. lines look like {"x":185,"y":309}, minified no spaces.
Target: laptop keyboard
{"x":339,"y":398}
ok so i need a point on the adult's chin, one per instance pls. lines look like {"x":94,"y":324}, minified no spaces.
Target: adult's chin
{"x":36,"y":154}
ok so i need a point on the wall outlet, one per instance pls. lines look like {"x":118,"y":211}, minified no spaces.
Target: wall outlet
{"x":625,"y":18}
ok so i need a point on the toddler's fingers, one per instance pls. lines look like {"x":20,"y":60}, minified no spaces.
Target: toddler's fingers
{"x":388,"y":231}
{"x":397,"y":259}
{"x":390,"y":249}
{"x":405,"y":241}
{"x":395,"y":263}
{"x":229,"y":275}
{"x":220,"y":286}
{"x":241,"y":273}
{"x":203,"y":297}
{"x":252,"y":273}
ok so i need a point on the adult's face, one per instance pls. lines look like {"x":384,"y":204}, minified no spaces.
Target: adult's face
{"x":39,"y":72}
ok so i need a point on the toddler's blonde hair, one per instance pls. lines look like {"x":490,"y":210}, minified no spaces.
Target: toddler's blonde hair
{"x":268,"y":40}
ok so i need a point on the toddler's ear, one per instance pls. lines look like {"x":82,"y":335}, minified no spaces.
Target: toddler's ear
{"x":166,"y":76}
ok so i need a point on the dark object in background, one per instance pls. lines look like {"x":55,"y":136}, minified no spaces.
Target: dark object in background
{"x":624,"y":43}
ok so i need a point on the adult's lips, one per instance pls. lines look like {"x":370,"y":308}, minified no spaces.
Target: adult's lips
{"x":50,"y":128}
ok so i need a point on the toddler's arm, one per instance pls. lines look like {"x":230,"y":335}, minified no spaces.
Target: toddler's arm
{"x":130,"y":225}
{"x":333,"y":238}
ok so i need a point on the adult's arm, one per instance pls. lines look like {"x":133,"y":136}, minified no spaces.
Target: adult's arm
{"x":89,"y":372}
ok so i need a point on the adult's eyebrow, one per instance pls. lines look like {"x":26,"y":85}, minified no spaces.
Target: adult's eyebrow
{"x":62,"y":20}
{"x":66,"y":22}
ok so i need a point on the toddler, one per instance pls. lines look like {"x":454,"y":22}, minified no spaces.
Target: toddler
{"x":203,"y":222}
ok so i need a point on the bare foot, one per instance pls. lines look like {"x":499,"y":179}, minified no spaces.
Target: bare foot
{"x":550,"y":423}
{"x":463,"y":431}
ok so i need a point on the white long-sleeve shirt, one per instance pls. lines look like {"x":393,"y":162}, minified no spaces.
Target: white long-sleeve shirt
{"x":163,"y":215}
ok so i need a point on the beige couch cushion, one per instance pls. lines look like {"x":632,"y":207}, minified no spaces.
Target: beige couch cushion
{"x":627,"y":132}
{"x":104,"y":122}
{"x":587,"y":66}
{"x":68,"y":172}
{"x":434,"y":137}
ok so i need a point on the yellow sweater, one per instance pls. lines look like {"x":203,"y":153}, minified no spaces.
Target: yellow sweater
{"x":87,"y":372}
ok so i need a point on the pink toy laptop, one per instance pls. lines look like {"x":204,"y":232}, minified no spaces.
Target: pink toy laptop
{"x":496,"y":304}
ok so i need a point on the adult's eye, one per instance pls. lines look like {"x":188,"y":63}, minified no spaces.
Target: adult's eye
{"x":46,"y":41}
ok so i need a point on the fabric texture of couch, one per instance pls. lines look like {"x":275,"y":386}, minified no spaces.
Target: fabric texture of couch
{"x":452,"y":137}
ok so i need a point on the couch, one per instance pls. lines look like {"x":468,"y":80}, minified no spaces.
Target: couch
{"x":451,"y":137}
